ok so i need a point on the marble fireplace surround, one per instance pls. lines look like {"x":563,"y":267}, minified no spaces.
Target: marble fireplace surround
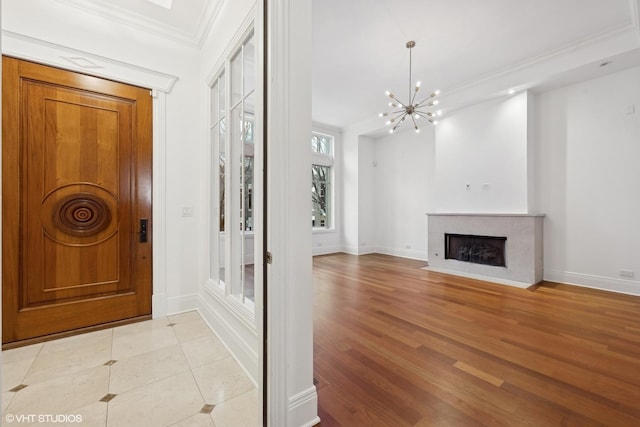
{"x":523,"y":246}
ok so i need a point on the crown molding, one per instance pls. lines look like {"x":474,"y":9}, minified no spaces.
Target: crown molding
{"x":42,"y":51}
{"x":583,"y":43}
{"x":634,"y":13}
{"x":127,"y":17}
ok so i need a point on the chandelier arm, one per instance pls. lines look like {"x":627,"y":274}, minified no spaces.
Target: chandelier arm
{"x":422,"y":114}
{"x":398,"y":101}
{"x":415,"y":93}
{"x":419,"y":104}
{"x":398,"y":113}
{"x":400,"y":121}
{"x":415,"y":125}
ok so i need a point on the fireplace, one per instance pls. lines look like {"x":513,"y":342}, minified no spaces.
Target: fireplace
{"x":521,"y":259}
{"x":487,"y":250}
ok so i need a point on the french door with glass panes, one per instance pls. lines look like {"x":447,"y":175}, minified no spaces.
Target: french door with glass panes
{"x":234,"y":255}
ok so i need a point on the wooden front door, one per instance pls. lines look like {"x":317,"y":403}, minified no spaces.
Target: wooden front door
{"x":76,"y":187}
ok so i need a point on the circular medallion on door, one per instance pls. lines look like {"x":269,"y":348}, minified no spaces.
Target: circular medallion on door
{"x":79,"y":214}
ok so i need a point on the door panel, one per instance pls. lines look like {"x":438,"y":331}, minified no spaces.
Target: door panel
{"x":76,"y":181}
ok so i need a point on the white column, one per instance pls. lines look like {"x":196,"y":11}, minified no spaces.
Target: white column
{"x":292,"y":395}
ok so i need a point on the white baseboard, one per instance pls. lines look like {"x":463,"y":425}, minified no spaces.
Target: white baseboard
{"x":613,"y":284}
{"x":159,"y":306}
{"x":181,"y":304}
{"x":351,"y":250}
{"x":326,"y":250}
{"x":303,"y":408}
{"x":403,"y":253}
{"x":365,"y":250}
{"x":219,"y":319}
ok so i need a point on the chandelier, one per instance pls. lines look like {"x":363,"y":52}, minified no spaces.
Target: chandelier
{"x":412,"y":110}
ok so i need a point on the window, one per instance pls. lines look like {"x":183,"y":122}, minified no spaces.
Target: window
{"x":232,"y":125}
{"x":321,"y":181}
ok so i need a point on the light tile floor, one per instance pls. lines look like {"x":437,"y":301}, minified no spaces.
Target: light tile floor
{"x":164,"y":372}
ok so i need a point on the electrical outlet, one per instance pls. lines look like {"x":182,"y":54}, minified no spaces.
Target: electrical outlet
{"x":626,"y":273}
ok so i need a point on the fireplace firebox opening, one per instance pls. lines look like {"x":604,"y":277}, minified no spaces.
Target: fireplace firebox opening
{"x":487,"y":250}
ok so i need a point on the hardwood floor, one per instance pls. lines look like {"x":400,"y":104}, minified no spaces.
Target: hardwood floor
{"x":395,"y":345}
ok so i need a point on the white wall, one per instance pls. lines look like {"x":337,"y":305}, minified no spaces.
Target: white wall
{"x":349,"y":205}
{"x":587,"y":177}
{"x":366,"y":196}
{"x":404,"y":185}
{"x":481,"y":158}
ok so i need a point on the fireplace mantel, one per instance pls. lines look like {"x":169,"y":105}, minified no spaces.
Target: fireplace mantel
{"x":523,"y":245}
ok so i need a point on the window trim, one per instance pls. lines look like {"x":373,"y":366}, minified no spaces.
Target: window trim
{"x":222,"y":290}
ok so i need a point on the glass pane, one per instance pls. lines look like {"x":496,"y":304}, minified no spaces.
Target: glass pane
{"x":237,"y":226}
{"x":236,"y":78}
{"x":248,"y":162}
{"x":248,"y":193}
{"x":249,"y":65}
{"x":221,"y":202}
{"x":213,"y":238}
{"x":320,"y":197}
{"x":325,"y":145}
{"x":214,"y":104}
{"x":321,"y":144}
{"x":222,"y":96}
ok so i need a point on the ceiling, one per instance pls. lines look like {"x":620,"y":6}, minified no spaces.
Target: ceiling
{"x":187,"y":21}
{"x":359,"y":46}
{"x":469,"y":49}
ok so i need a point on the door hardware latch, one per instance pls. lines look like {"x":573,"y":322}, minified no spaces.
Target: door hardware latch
{"x":144,"y":225}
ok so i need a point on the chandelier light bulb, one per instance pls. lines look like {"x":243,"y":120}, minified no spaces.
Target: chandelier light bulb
{"x":437,"y":92}
{"x":436,"y":102}
{"x":435,"y":122}
{"x":439,"y":113}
